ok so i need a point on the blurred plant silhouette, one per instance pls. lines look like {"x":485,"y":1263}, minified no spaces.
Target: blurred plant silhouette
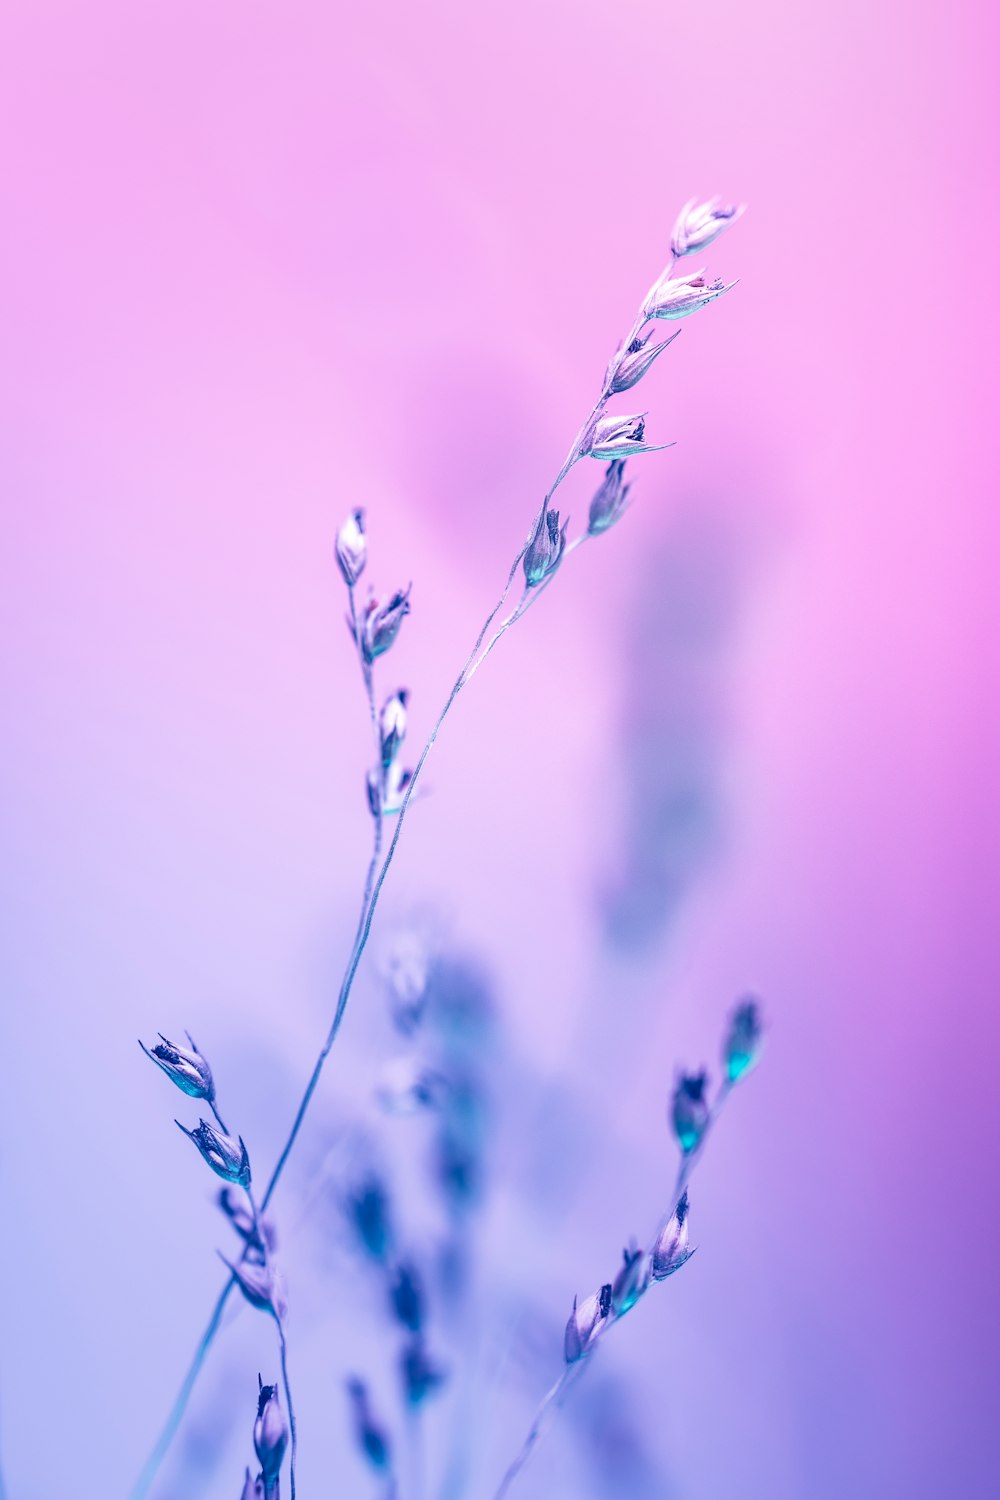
{"x":445,"y":1021}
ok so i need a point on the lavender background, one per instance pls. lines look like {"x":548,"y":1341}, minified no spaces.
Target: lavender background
{"x":262,"y":264}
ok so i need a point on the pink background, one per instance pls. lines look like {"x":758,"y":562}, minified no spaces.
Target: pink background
{"x":261,"y":263}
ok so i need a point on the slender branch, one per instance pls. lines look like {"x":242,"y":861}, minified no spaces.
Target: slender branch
{"x":541,"y":1422}
{"x":373,"y":884}
{"x":288,"y":1398}
{"x":551,"y":1402}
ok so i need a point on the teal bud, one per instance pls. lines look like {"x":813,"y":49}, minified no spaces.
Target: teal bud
{"x":741,"y":1047}
{"x":631,"y":1281}
{"x":381,"y":621}
{"x":421,"y":1375}
{"x":184,"y":1067}
{"x":392,"y":725}
{"x":546,"y":548}
{"x":689,"y":1110}
{"x":610,"y":499}
{"x":226,"y":1157}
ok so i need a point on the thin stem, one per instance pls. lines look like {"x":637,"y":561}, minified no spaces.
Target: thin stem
{"x":540,"y":1425}
{"x":288,"y":1398}
{"x":552,"y":1401}
{"x":221,"y":1122}
{"x":373,"y":883}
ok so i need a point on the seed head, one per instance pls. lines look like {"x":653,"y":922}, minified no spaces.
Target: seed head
{"x":392,"y":725}
{"x":184,"y":1066}
{"x":698,"y":224}
{"x":632,"y":365}
{"x":619,"y":437}
{"x":381,"y":621}
{"x":407,"y":1296}
{"x":270,"y":1432}
{"x":680,"y":296}
{"x":631,"y":1281}
{"x":610,"y":499}
{"x":261,"y":1286}
{"x":672,"y":1250}
{"x":743,"y":1041}
{"x":546,"y":548}
{"x":689,"y":1110}
{"x":352,"y":547}
{"x":586,"y":1322}
{"x":421,"y":1375}
{"x":224,"y":1155}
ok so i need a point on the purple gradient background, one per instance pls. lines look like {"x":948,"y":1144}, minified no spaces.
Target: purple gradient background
{"x":262,"y":263}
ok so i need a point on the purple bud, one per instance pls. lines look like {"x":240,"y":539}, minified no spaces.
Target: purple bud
{"x":371,"y":1438}
{"x":546,"y":548}
{"x":392,"y":725}
{"x":224,"y":1155}
{"x":381,"y":621}
{"x":270,"y":1432}
{"x":421,"y":1375}
{"x":689,"y":1111}
{"x":261,"y":1286}
{"x":741,"y":1048}
{"x":407,"y":1297}
{"x":586,"y":1322}
{"x":352,"y":548}
{"x":698,"y":224}
{"x":237,"y":1212}
{"x":671,"y":1250}
{"x":618,"y":437}
{"x":679,"y":296}
{"x":610,"y":500}
{"x":636,"y":360}
{"x":631,"y":1281}
{"x":187,"y":1068}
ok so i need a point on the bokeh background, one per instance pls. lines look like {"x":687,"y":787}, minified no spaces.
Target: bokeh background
{"x":260,"y":264}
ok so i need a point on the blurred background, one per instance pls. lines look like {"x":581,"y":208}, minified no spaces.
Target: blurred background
{"x":260,"y":265}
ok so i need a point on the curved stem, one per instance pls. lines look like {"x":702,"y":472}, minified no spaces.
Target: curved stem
{"x":540,"y":1425}
{"x":373,"y":883}
{"x":288,"y":1399}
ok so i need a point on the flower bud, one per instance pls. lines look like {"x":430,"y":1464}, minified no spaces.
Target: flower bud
{"x":680,"y":296}
{"x":407,"y":1297}
{"x":392,"y":725}
{"x":270,"y":1432}
{"x":636,"y":360}
{"x":397,"y":779}
{"x":631,"y":1281}
{"x":371,"y":1438}
{"x":741,"y":1048}
{"x":261,"y":1286}
{"x":237,"y":1212}
{"x":367,"y":1207}
{"x":585,"y":1324}
{"x":689,"y":1110}
{"x":671,"y":1250}
{"x":352,"y":547}
{"x":253,"y":1489}
{"x":698,"y":224}
{"x":224,"y":1155}
{"x":420,"y":1374}
{"x":381,"y":621}
{"x":188,"y":1069}
{"x":610,"y":500}
{"x":546,"y":548}
{"x":618,"y":437}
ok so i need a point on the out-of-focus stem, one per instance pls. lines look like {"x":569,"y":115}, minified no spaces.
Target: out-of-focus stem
{"x":374,"y":883}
